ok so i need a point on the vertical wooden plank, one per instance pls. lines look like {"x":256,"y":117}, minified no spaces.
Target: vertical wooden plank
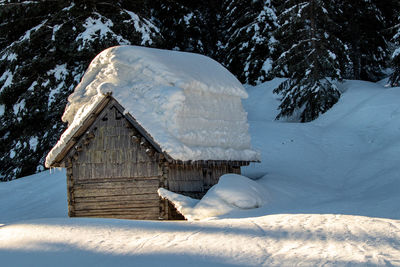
{"x":105,"y":140}
{"x":142,"y":168}
{"x":125,"y":167}
{"x":114,"y":170}
{"x":102,"y":169}
{"x":98,"y":140}
{"x":122,"y":152}
{"x":132,"y":169}
{"x":112,"y":153}
{"x":83,"y":170}
{"x":118,"y":170}
{"x":75,"y":170}
{"x":88,"y":154}
{"x":133,"y":153}
{"x":70,"y":188}
{"x":107,"y":170}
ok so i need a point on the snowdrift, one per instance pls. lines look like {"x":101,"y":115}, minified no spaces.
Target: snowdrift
{"x":233,"y":192}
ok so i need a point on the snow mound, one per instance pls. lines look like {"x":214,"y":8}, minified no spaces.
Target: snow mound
{"x":189,"y":103}
{"x":41,"y":195}
{"x":233,"y":192}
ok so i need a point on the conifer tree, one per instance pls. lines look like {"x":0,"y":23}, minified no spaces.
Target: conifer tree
{"x":364,"y":33}
{"x":394,"y":79}
{"x":312,"y":58}
{"x":47,"y":47}
{"x":187,"y":25}
{"x":247,"y":49}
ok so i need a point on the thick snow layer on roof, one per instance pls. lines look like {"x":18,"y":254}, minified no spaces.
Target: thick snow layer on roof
{"x":189,"y":103}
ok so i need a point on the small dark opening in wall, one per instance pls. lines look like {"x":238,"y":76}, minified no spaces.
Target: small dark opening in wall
{"x":173,"y":213}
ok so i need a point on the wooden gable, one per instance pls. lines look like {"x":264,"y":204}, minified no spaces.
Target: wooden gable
{"x":113,"y":171}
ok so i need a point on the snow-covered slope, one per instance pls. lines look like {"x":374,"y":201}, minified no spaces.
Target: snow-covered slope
{"x":189,"y":103}
{"x":344,"y":163}
{"x":42,"y":195}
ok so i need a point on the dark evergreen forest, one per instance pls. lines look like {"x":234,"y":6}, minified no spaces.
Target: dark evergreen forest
{"x":46,"y":46}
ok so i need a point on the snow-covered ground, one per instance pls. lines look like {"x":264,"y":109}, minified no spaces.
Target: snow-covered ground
{"x":329,"y":196}
{"x":346,"y":161}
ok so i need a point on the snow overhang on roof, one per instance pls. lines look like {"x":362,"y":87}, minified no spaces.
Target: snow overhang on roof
{"x":189,"y":103}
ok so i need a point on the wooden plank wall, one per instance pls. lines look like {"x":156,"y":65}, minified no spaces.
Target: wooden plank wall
{"x":112,"y":175}
{"x":194,"y":180}
{"x":113,"y":172}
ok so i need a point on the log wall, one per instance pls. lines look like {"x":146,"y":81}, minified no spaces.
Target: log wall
{"x":194,"y":180}
{"x":112,"y":173}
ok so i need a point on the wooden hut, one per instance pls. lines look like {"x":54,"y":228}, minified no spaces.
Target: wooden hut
{"x":115,"y":166}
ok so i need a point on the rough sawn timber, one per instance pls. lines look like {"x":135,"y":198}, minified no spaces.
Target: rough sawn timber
{"x":114,"y":169}
{"x":111,"y":174}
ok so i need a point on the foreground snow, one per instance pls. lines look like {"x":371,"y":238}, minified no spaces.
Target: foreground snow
{"x":343,"y":163}
{"x":275,"y":240}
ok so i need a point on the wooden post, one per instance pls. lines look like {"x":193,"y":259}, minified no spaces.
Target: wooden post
{"x":164,"y":209}
{"x":70,"y":189}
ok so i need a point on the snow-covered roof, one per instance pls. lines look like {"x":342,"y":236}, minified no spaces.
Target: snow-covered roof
{"x":188,"y":103}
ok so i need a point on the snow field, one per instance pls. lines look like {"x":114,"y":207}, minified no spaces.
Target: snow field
{"x":326,"y":195}
{"x":344,"y":162}
{"x":274,"y":240}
